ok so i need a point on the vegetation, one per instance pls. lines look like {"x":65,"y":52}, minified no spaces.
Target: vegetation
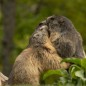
{"x":74,"y":76}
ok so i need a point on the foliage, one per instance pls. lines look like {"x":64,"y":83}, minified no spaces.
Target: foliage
{"x":74,"y":76}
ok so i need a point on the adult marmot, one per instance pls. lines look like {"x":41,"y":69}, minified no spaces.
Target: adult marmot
{"x":39,"y":57}
{"x":65,"y":38}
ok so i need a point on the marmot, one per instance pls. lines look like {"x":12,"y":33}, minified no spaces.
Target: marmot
{"x":65,"y":38}
{"x":33,"y":61}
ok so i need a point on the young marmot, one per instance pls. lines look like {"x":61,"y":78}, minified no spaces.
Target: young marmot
{"x":33,"y":61}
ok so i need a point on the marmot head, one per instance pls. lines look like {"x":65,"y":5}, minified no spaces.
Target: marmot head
{"x":40,"y":36}
{"x":58,"y":25}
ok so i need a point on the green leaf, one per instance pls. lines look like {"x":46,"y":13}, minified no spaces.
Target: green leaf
{"x":73,"y":69}
{"x":83,"y":63}
{"x":63,"y":80}
{"x":51,"y":76}
{"x":79,"y":83}
{"x":80,"y":74}
{"x":72,"y":60}
{"x":59,"y":72}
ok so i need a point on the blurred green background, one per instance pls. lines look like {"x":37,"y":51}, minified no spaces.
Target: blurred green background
{"x":19,"y":18}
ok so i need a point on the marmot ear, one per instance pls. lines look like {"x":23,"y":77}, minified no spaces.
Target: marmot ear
{"x":62,"y":23}
{"x":61,"y":20}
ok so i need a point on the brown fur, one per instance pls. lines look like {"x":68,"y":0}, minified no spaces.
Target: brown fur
{"x":33,"y":61}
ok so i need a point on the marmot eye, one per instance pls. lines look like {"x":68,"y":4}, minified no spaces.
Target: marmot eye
{"x":52,"y":18}
{"x":40,"y":24}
